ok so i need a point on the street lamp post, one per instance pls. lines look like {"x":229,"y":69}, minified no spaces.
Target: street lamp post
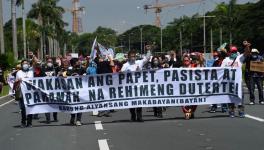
{"x":141,"y":40}
{"x":161,"y":38}
{"x":129,"y":42}
{"x":181,"y":40}
{"x":204,"y":34}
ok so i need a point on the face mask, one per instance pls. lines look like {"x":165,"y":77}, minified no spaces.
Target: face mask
{"x":233,"y":56}
{"x":156,"y":63}
{"x":132,"y":60}
{"x":254,"y":57}
{"x":216,"y":58}
{"x":25,"y":67}
{"x":49,"y":64}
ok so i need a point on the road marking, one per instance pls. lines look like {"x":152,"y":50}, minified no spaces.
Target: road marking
{"x":103,"y":144}
{"x":6,"y":103}
{"x":98,"y":125}
{"x":4,"y":96}
{"x":254,"y":118}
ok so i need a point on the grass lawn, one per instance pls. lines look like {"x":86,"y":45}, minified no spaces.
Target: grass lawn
{"x":5,"y":91}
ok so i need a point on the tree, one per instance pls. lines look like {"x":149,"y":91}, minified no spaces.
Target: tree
{"x":22,"y":3}
{"x":32,"y":38}
{"x":131,"y":38}
{"x":49,"y":16}
{"x":14,"y":28}
{"x":2,"y":43}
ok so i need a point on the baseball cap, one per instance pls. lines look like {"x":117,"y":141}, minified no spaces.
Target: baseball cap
{"x":254,"y":50}
{"x":233,"y":49}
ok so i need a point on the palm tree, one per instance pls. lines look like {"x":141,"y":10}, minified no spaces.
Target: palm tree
{"x":49,"y":16}
{"x":14,"y":28}
{"x":21,"y":3}
{"x":2,"y":43}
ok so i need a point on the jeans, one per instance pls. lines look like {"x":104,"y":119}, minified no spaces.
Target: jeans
{"x":136,"y":113}
{"x":157,"y":111}
{"x":259,"y":82}
{"x":78,"y":115}
{"x":25,"y":119}
{"x":55,"y":116}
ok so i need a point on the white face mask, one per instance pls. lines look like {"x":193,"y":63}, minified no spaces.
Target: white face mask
{"x":25,"y":67}
{"x":49,"y":64}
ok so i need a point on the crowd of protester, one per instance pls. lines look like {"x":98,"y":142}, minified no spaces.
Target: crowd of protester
{"x":78,"y":66}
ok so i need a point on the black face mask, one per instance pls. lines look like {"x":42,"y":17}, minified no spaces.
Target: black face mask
{"x":254,"y":57}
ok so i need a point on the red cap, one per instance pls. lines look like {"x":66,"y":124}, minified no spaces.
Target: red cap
{"x":233,"y":49}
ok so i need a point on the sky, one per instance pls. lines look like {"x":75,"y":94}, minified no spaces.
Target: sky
{"x":121,"y":15}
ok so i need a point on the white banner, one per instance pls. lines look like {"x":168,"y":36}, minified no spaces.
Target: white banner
{"x":150,"y":88}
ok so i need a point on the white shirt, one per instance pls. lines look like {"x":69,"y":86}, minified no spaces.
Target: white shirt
{"x":227,"y":62}
{"x":137,"y":66}
{"x":21,"y":74}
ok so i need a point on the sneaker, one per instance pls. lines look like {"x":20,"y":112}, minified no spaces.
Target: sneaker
{"x":213,"y":110}
{"x":140,"y":120}
{"x":251,"y":103}
{"x":29,"y":125}
{"x":78,"y":123}
{"x":23,"y":125}
{"x":261,"y":102}
{"x":224,"y":109}
{"x":231,"y":114}
{"x":133,"y":118}
{"x":47,"y":121}
{"x":72,"y":123}
{"x":100,"y":114}
{"x":107,"y":115}
{"x":159,"y":116}
{"x":241,"y":114}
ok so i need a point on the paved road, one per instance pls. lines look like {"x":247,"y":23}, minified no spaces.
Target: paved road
{"x":206,"y":132}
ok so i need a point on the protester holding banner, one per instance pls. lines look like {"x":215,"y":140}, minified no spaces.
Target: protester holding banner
{"x":175,"y":61}
{"x":75,"y":70}
{"x":49,"y":71}
{"x":26,"y":120}
{"x":235,"y":60}
{"x":188,"y":110}
{"x":62,"y":70}
{"x":104,"y":65}
{"x":135,"y":65}
{"x":218,"y":59}
{"x":164,"y":61}
{"x":155,"y":65}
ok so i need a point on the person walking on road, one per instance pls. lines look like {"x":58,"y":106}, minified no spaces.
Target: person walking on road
{"x":136,"y":65}
{"x":26,"y":120}
{"x":236,"y":60}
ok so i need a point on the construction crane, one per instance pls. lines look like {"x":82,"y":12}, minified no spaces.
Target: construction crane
{"x":159,"y":6}
{"x":76,"y":11}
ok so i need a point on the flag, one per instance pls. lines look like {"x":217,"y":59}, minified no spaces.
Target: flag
{"x":222,"y":47}
{"x":94,"y":49}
